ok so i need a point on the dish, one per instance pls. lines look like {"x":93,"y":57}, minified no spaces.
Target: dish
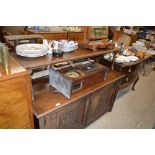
{"x":123,"y":59}
{"x":72,"y":74}
{"x":65,"y":45}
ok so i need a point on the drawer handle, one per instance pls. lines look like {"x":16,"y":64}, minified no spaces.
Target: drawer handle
{"x":129,"y":70}
{"x":127,"y":79}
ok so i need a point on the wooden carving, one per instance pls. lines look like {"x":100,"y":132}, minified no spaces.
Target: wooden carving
{"x":68,"y":117}
{"x":100,"y":103}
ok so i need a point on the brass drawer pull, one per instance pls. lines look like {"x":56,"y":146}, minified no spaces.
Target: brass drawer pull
{"x":129,"y":70}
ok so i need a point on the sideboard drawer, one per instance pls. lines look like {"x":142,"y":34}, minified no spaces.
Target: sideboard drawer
{"x":129,"y":69}
{"x":129,"y":78}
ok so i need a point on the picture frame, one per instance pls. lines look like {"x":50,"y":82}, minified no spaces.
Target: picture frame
{"x":97,"y":32}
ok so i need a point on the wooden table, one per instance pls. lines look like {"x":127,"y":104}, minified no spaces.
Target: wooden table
{"x":31,"y":63}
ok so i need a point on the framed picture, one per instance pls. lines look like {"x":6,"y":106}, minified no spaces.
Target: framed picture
{"x":96,"y":37}
{"x":97,"y":32}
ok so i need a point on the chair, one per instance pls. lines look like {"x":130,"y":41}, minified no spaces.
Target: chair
{"x":125,"y":39}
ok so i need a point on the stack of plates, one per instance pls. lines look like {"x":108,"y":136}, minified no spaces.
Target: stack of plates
{"x":31,"y":50}
{"x":126,"y":59}
{"x":67,"y":45}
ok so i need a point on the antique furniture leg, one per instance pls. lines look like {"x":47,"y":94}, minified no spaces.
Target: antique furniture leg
{"x":113,"y":61}
{"x":133,"y":87}
{"x":143,"y":66}
{"x":114,"y":95}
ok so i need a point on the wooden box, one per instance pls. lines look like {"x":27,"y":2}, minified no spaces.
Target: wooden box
{"x":74,"y":78}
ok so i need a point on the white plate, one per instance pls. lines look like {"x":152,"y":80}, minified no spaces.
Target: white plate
{"x":31,"y":50}
{"x":123,"y":59}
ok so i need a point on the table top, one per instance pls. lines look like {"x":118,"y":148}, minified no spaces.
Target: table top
{"x":14,"y":69}
{"x":22,"y":37}
{"x":32,"y":63}
{"x":46,"y":99}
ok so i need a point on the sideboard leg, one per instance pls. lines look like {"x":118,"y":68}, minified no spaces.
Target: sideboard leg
{"x":133,"y":87}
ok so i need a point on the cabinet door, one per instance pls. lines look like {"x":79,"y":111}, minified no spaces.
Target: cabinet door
{"x":69,"y":117}
{"x":101,"y":102}
{"x":13,"y":104}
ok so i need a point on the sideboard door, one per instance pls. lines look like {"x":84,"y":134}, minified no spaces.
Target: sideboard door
{"x":101,"y":102}
{"x":71,"y":116}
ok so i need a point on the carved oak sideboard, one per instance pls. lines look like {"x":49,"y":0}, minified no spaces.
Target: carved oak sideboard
{"x":53,"y":110}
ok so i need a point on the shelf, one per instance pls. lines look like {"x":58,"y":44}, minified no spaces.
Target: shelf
{"x":46,"y":99}
{"x":31,"y":63}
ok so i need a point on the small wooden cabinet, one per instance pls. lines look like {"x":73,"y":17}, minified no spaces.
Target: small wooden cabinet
{"x":15,"y":98}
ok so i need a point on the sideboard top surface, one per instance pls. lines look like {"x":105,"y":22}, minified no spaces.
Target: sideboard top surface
{"x":30,"y":63}
{"x":47,"y":100}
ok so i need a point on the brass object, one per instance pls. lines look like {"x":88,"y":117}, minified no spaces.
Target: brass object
{"x":1,"y":45}
{"x":129,"y":70}
{"x":5,"y":60}
{"x":127,"y":79}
